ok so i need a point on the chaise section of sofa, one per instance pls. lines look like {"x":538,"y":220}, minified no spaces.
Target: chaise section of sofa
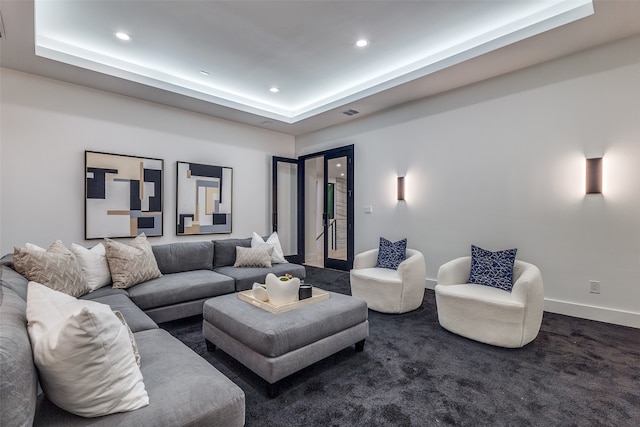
{"x":183,"y":388}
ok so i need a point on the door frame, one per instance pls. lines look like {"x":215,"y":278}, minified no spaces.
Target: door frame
{"x":298,"y":257}
{"x":344,"y":151}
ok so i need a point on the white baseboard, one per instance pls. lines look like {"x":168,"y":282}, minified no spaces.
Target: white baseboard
{"x":600,"y":314}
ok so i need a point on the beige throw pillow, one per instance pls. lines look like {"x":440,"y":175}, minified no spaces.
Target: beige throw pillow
{"x":56,"y":268}
{"x":253,"y":257}
{"x":131,"y":264}
{"x":83,"y":354}
{"x":132,"y":339}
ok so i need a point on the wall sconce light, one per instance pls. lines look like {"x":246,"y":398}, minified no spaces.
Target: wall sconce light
{"x":594,"y":176}
{"x":401,"y":188}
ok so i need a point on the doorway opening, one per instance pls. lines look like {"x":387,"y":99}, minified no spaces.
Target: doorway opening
{"x":323,"y":199}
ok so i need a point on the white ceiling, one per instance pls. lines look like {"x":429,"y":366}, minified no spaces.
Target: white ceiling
{"x":305,"y":48}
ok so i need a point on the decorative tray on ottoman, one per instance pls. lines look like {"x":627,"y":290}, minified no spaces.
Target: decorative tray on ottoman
{"x":317,"y":296}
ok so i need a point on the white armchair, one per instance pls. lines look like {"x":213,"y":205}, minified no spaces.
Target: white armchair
{"x":490,"y":315}
{"x":386,"y":290}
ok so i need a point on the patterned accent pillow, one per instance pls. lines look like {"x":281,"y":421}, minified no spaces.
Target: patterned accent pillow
{"x":390,"y":255}
{"x":493,"y":269}
{"x":254,"y":257}
{"x":56,"y":268}
{"x":132,"y":339}
{"x":131,"y":264}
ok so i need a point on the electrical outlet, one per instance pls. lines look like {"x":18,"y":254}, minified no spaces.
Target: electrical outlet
{"x":368,"y":209}
{"x":594,"y":286}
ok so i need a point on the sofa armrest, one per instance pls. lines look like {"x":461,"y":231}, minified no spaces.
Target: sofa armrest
{"x":454,"y":272}
{"x":366,"y":259}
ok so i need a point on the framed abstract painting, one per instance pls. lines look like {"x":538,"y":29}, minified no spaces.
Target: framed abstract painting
{"x":203,"y":199}
{"x":123,"y":195}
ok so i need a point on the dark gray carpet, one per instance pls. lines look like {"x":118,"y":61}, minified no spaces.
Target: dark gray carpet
{"x":414,"y":373}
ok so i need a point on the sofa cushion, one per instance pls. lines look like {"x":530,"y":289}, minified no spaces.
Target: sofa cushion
{"x":103,"y":292}
{"x":246,"y":276}
{"x":176,"y":288}
{"x":131,"y":264}
{"x":493,"y":269}
{"x":135,"y":317}
{"x":225,"y":251}
{"x":185,"y":256}
{"x":83,"y":354}
{"x":19,"y":384}
{"x":56,"y":268}
{"x":184,"y":390}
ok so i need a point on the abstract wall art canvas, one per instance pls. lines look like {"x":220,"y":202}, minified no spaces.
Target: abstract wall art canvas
{"x":123,"y":195}
{"x":203,"y":202}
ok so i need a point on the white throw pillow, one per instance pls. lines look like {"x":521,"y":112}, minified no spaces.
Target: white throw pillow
{"x":83,"y":354}
{"x":93,"y":263}
{"x":33,"y":247}
{"x":277,"y":257}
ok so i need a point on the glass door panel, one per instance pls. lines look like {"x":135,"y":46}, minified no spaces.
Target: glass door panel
{"x":285,"y":205}
{"x":336,"y":209}
{"x":338,"y":212}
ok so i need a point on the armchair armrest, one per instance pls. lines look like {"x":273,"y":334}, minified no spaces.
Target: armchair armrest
{"x":454,"y":272}
{"x":413,"y":270}
{"x":527,"y":284}
{"x":366,"y":259}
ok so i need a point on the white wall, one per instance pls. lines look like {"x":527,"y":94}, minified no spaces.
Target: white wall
{"x":500,"y":164}
{"x":47,"y":125}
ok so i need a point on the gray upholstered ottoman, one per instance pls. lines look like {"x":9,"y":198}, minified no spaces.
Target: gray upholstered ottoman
{"x":277,"y":345}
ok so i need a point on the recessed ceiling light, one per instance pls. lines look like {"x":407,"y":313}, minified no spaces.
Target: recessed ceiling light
{"x":341,"y":174}
{"x":274,"y":89}
{"x":362,"y":43}
{"x":123,"y":36}
{"x":338,"y":165}
{"x":204,"y":73}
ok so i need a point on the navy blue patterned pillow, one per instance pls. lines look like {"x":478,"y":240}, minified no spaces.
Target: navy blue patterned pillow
{"x":493,"y":269}
{"x":390,"y":255}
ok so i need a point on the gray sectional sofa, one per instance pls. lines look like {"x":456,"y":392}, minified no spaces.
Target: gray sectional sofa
{"x":183,"y":388}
